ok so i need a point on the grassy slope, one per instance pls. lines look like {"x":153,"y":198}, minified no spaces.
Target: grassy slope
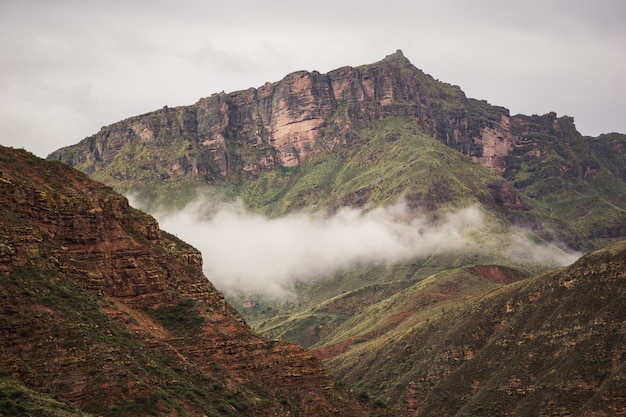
{"x":388,"y":159}
{"x":378,"y":309}
{"x":547,"y":345}
{"x":113,"y":358}
{"x":18,"y":400}
{"x":52,"y":306}
{"x":575,"y":179}
{"x":393,"y":160}
{"x":143,"y":165}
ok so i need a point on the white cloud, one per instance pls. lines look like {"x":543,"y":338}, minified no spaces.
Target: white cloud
{"x":250,"y":253}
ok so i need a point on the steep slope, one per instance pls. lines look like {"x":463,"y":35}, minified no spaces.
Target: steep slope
{"x":100,"y":307}
{"x":393,"y":159}
{"x":550,"y":345}
{"x":577,"y":178}
{"x":366,"y":137}
{"x":263,"y":137}
{"x":18,"y":400}
{"x":382,"y":310}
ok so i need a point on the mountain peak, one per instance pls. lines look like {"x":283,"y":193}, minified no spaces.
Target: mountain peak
{"x":285,"y":119}
{"x":244,"y":135}
{"x":363,"y":137}
{"x":397,"y":56}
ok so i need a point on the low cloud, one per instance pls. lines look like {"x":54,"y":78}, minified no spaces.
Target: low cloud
{"x":251,"y":253}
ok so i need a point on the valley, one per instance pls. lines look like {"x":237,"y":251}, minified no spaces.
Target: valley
{"x":438,"y":255}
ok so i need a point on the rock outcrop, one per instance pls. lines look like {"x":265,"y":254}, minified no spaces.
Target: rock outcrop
{"x":332,"y":138}
{"x":283,"y":123}
{"x":100,"y":307}
{"x":231,"y":138}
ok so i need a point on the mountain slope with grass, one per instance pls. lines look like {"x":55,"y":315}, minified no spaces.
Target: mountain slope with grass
{"x":258,"y":144}
{"x":395,"y":163}
{"x":101,"y":309}
{"x":549,"y":345}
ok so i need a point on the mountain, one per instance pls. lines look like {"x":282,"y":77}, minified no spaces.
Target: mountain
{"x":103,"y":312}
{"x":263,"y":144}
{"x":363,"y":139}
{"x":551,"y":345}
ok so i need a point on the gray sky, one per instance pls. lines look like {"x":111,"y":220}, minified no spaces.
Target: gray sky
{"x":69,"y":67}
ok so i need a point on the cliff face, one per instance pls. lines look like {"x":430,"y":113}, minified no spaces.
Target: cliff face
{"x":364,"y":135}
{"x":100,"y":307}
{"x":283,"y":123}
{"x":239,"y":137}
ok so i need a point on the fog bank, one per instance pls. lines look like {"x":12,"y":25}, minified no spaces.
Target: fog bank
{"x":251,"y":253}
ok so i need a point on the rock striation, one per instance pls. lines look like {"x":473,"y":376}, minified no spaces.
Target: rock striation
{"x":100,"y":307}
{"x":330,"y":137}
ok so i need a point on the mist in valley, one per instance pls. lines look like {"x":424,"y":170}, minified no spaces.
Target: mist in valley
{"x":250,"y":253}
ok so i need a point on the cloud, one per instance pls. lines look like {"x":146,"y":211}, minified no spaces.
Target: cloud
{"x":521,"y":246}
{"x":251,"y":253}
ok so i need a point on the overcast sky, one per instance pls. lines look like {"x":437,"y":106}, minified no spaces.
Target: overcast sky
{"x":69,"y":67}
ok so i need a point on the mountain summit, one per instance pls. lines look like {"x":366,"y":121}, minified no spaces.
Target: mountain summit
{"x":246,"y":140}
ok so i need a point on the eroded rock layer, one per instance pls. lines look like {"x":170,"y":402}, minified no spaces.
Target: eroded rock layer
{"x":100,"y":307}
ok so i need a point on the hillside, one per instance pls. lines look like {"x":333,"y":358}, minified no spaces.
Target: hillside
{"x":357,"y":140}
{"x":551,"y":345}
{"x":102,"y":310}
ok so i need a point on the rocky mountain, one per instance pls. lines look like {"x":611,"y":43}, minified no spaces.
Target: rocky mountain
{"x":103,"y":312}
{"x":253,"y":135}
{"x":552,"y":345}
{"x":367,"y":137}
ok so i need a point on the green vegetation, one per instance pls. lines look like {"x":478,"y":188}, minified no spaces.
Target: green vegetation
{"x":18,"y":400}
{"x":391,"y":325}
{"x":181,"y":318}
{"x":393,"y":159}
{"x":90,"y":340}
{"x":100,"y":309}
{"x":147,"y":165}
{"x":573,"y":181}
{"x":540,"y":340}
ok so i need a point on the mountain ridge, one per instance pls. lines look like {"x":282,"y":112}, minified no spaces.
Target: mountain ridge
{"x":290,"y":111}
{"x":548,"y":345}
{"x":101,"y":308}
{"x":254,"y":135}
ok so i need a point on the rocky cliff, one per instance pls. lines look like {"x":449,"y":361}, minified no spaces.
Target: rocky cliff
{"x":366,"y":136}
{"x":246,"y":136}
{"x":278,"y":124}
{"x":283,"y":123}
{"x":101,"y":308}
